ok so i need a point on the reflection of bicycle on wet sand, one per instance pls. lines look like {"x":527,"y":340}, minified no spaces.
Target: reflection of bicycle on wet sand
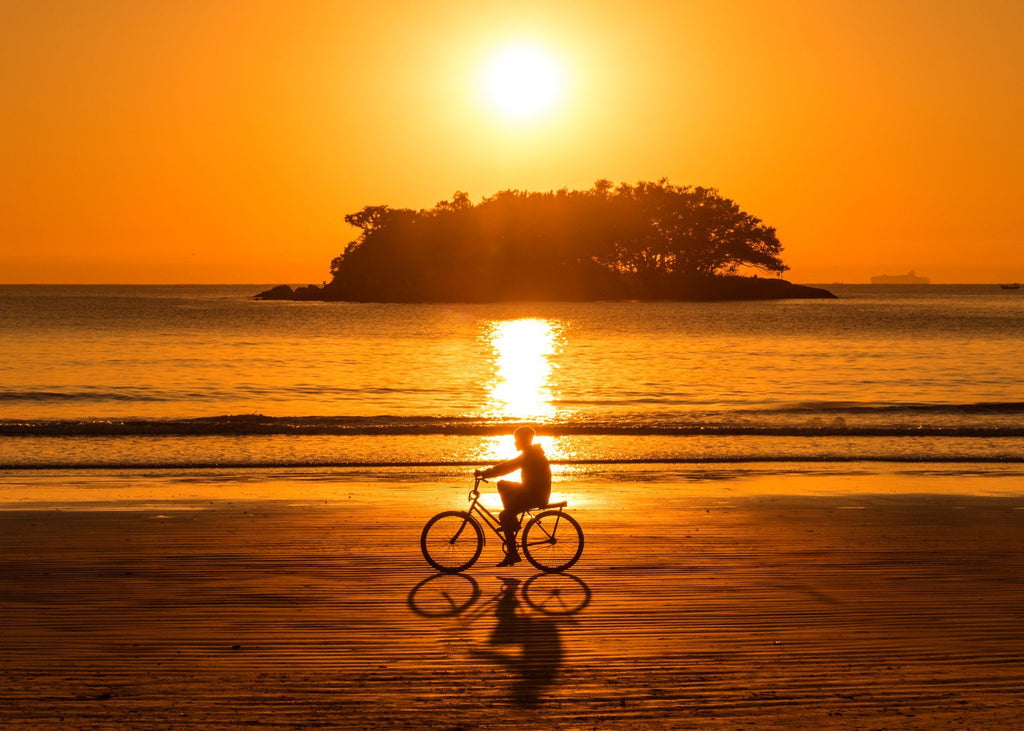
{"x":452,"y":541}
{"x":526,"y":643}
{"x":448,"y":595}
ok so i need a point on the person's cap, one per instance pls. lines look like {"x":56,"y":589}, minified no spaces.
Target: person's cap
{"x":524,"y":433}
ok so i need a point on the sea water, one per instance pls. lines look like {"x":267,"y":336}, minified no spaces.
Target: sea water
{"x":204,"y":376}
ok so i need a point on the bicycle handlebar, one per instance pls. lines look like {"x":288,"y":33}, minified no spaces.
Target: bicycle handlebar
{"x":477,"y":479}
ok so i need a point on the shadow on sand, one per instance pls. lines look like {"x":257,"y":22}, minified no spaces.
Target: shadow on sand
{"x":525,"y":640}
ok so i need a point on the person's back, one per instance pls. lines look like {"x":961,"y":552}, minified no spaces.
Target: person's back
{"x":536,"y":473}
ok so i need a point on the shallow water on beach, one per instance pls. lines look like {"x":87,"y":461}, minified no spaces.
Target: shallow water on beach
{"x":417,"y":492}
{"x":201,"y":376}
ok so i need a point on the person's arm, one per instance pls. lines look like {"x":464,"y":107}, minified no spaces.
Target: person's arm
{"x":502,"y":469}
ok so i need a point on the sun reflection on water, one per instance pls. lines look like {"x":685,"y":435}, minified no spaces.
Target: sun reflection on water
{"x":521,"y":389}
{"x":522,"y":386}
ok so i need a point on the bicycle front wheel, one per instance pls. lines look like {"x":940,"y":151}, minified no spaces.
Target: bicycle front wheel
{"x":553,"y":541}
{"x":452,"y":541}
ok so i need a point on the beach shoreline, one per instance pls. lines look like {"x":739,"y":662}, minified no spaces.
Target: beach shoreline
{"x":413,"y":487}
{"x":891,"y":598}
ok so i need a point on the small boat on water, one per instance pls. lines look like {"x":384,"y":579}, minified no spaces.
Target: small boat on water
{"x":1015,"y":285}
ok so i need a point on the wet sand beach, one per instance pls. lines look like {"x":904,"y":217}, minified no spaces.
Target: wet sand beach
{"x":883,"y":601}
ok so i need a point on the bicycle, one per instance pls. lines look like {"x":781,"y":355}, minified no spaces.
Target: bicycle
{"x":452,"y":541}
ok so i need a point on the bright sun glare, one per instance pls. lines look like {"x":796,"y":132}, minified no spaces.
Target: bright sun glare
{"x":523,"y":81}
{"x":523,"y":349}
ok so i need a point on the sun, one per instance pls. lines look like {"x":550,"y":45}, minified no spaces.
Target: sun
{"x":523,"y":81}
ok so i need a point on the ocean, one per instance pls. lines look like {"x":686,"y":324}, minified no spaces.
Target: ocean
{"x":204,"y":377}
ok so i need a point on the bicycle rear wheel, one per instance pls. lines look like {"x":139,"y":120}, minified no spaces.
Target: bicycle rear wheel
{"x":452,"y":541}
{"x":553,"y":541}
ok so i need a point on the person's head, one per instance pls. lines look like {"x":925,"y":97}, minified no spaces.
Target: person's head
{"x":524,"y":437}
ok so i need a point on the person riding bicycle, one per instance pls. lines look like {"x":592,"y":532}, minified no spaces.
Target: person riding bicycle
{"x":533,"y":492}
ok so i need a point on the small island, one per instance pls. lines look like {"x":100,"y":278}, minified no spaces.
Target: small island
{"x":649,"y":241}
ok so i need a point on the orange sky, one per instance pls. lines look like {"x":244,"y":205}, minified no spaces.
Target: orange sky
{"x":201,"y":141}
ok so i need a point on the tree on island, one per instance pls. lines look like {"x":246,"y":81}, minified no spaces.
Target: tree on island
{"x":643,"y":241}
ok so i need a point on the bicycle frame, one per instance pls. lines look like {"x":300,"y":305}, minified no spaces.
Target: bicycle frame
{"x":490,"y":519}
{"x":486,"y":516}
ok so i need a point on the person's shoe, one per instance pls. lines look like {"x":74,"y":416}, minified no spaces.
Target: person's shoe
{"x":510,"y":559}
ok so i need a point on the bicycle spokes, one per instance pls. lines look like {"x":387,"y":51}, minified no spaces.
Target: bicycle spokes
{"x":553,"y":541}
{"x":452,"y":541}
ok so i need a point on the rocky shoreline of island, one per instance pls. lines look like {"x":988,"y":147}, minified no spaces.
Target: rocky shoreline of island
{"x":702,"y":289}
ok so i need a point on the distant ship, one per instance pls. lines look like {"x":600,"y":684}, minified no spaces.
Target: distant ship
{"x":908,"y":278}
{"x":1015,"y":285}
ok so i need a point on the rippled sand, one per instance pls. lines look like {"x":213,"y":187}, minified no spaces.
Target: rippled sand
{"x":694,"y":609}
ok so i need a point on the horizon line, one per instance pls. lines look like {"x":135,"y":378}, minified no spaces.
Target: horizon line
{"x":819,"y":283}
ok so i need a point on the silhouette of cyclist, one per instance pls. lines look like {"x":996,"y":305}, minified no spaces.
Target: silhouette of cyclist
{"x":537,"y":664}
{"x":533,"y":492}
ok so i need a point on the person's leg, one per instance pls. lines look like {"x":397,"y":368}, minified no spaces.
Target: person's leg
{"x":511,"y":500}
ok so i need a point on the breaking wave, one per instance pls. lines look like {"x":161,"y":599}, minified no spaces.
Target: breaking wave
{"x":847,"y":420}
